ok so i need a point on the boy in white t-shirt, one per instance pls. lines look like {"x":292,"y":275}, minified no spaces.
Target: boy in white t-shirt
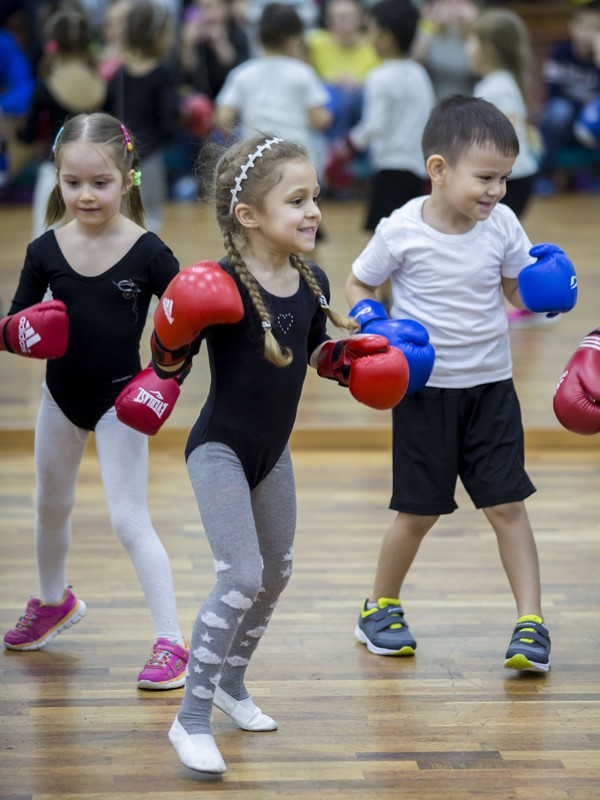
{"x":452,"y":258}
{"x":277,"y":91}
{"x":398,"y":96}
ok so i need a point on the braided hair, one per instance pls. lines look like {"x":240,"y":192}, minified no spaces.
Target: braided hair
{"x":257,"y":182}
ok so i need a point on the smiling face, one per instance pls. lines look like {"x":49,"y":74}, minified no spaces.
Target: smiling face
{"x":467,"y":192}
{"x":289,"y":216}
{"x":91,"y":184}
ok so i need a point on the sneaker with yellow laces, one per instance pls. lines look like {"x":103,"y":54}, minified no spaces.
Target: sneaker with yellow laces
{"x":529,"y":648}
{"x":384,"y":630}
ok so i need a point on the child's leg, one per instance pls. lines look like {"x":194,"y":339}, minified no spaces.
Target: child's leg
{"x":223,"y":496}
{"x":59,"y":447}
{"x":529,"y":647}
{"x":518,"y":553}
{"x":382,"y":626}
{"x":398,"y":550}
{"x":274,"y":508}
{"x":123,"y":457}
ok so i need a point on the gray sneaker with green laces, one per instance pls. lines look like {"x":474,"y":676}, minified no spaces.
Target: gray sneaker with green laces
{"x":529,"y":647}
{"x":384,"y":630}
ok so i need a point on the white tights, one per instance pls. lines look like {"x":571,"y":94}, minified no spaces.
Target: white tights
{"x":123,"y":458}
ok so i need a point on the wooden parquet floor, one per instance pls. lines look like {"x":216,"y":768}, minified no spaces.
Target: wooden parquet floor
{"x":449,"y":723}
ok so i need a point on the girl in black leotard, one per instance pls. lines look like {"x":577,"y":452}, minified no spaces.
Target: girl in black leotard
{"x":105,"y":267}
{"x":238,"y":456}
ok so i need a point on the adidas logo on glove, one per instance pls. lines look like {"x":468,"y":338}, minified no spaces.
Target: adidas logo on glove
{"x":167,"y":305}
{"x":27,"y":336}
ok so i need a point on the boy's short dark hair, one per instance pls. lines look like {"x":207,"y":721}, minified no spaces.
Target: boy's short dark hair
{"x":457,"y":123}
{"x":278,"y":23}
{"x":400,"y":18}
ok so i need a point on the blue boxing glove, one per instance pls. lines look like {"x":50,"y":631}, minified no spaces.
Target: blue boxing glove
{"x":550,"y":283}
{"x":410,"y":337}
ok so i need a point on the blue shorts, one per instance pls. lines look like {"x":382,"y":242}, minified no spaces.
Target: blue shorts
{"x":473,"y":434}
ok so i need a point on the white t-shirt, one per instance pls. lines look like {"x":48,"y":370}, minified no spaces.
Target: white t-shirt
{"x":451,"y":284}
{"x":501,"y":89}
{"x":273,"y":94}
{"x":398,"y":98}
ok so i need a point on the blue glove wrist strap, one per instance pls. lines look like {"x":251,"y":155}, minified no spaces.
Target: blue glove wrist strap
{"x":366,"y":311}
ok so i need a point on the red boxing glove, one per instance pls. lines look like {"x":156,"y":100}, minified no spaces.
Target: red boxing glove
{"x":198,"y":296}
{"x":198,"y":111}
{"x":337,"y":168}
{"x":376,"y":374}
{"x":577,"y":398}
{"x":147,"y":401}
{"x":40,"y":331}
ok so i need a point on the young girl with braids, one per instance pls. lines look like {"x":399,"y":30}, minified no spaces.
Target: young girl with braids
{"x":277,"y":305}
{"x":103,"y":269}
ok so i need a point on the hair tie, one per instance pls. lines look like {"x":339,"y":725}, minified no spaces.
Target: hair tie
{"x":266,"y":324}
{"x":137,"y":177}
{"x":128,"y":142}
{"x":56,"y":138}
{"x":266,"y":145}
{"x":323,"y":301}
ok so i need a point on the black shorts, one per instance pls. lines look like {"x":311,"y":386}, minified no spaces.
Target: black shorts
{"x":473,"y":434}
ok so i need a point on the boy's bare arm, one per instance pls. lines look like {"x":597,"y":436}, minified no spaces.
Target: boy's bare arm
{"x":511,"y":292}
{"x":357,"y":290}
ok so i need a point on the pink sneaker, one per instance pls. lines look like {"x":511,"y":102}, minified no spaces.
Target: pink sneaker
{"x":41,"y":622}
{"x":165,"y":669}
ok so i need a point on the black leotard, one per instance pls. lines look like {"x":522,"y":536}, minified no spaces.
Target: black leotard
{"x":107,"y":314}
{"x":252,"y":404}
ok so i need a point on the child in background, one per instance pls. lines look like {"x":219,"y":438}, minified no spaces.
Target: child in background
{"x":398,"y":98}
{"x":440,"y":45}
{"x":16,"y":88}
{"x":277,"y":91}
{"x":499,"y":51}
{"x":68,"y":83}
{"x":452,"y":258}
{"x":143,"y":95}
{"x":572,"y":77}
{"x":113,"y":38}
{"x":104,"y":268}
{"x":276,"y":302}
{"x":212,"y":44}
{"x":342,"y":57}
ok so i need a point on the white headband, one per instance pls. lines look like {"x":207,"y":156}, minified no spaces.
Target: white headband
{"x":248,"y":165}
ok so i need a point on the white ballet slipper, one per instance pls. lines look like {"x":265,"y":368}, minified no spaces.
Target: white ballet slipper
{"x":197,"y":751}
{"x":244,"y":713}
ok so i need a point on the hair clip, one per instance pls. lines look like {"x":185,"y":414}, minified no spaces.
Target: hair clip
{"x":128,"y":141}
{"x":56,"y":138}
{"x":266,"y":324}
{"x":323,"y":301}
{"x":266,"y":145}
{"x":137,"y":177}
